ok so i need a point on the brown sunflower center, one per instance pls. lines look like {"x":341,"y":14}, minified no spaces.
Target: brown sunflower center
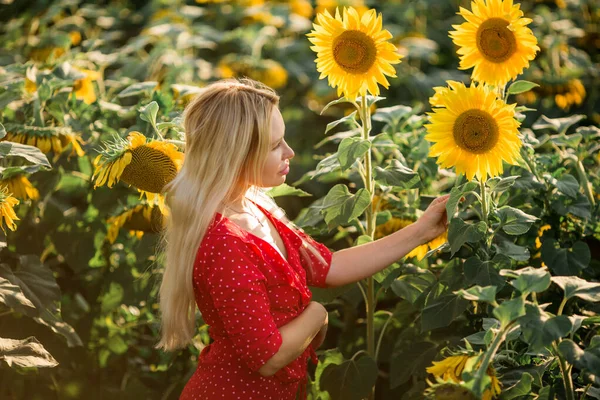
{"x":139,"y":221}
{"x":475,"y":131}
{"x":150,"y":169}
{"x":495,"y":41}
{"x":452,"y":392}
{"x":354,"y":51}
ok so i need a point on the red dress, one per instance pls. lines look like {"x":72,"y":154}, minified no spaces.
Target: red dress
{"x":245,"y":289}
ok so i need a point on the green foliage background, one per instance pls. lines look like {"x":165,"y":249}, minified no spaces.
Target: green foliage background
{"x":93,"y":304}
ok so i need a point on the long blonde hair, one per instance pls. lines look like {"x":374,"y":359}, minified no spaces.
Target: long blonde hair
{"x":227,"y":140}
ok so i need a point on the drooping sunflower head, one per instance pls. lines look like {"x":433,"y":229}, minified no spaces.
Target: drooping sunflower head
{"x":494,"y":41}
{"x":353,"y":51}
{"x":143,"y":218}
{"x":84,"y":88}
{"x":7,"y":212}
{"x":538,"y":241}
{"x":450,"y":369}
{"x":390,"y":226}
{"x":473,"y":131}
{"x":55,"y":139}
{"x":448,"y":391}
{"x":20,"y":187}
{"x":146,"y":165}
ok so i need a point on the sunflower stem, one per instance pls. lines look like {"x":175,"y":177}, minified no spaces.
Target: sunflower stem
{"x":368,"y":182}
{"x":564,"y":369}
{"x":487,"y":359}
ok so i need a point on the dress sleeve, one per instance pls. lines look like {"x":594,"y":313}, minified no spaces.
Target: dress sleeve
{"x":237,"y":288}
{"x":316,"y":270}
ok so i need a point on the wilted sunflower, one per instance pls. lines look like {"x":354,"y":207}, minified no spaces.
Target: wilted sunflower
{"x":495,"y":41}
{"x":353,"y":52}
{"x":448,"y":391}
{"x":451,"y":369}
{"x":395,"y":224}
{"x":138,"y":220}
{"x":46,"y":139}
{"x":148,"y":165}
{"x":472,"y":130}
{"x":20,"y":187}
{"x":7,"y":212}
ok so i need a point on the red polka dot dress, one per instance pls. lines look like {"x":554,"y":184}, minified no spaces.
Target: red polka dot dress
{"x":245,"y":290}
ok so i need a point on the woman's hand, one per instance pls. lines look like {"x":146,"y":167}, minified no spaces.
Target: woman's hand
{"x":320,"y":337}
{"x":434,"y":221}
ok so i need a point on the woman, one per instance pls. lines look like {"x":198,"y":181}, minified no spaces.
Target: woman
{"x":230,"y":249}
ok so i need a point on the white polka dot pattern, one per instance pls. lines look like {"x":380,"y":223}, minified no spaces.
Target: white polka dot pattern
{"x":245,"y":289}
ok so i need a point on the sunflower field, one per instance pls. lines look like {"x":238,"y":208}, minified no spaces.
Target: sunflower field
{"x":388,"y":105}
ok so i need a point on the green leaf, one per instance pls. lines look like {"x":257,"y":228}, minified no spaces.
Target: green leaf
{"x":456,"y":193}
{"x":588,"y":359}
{"x":334,"y":102}
{"x":521,"y":388}
{"x":350,"y":150}
{"x":413,"y":283}
{"x":420,"y":354}
{"x":2,"y":131}
{"x":397,"y":175}
{"x":149,"y":112}
{"x":528,"y":280}
{"x":340,"y":206}
{"x":577,"y":287}
{"x":521,"y":87}
{"x":515,"y":221}
{"x":539,"y":329}
{"x":482,"y":273}
{"x":510,"y":249}
{"x":286,"y":190}
{"x":351,"y":380}
{"x":116,"y":344}
{"x":442,"y":311}
{"x":12,"y":296}
{"x":565,"y":261}
{"x":478,"y":293}
{"x":560,"y":125}
{"x":30,"y":153}
{"x":348,"y":118}
{"x":392,"y":115}
{"x":26,"y":353}
{"x":510,"y":310}
{"x":333,"y":356}
{"x":567,"y":184}
{"x":499,"y":184}
{"x":460,"y":233}
{"x":112,"y":298}
{"x":138,"y":88}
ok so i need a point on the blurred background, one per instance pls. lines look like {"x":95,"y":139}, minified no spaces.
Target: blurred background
{"x":129,"y":53}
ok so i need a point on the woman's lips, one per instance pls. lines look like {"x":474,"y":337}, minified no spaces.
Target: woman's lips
{"x":285,"y":171}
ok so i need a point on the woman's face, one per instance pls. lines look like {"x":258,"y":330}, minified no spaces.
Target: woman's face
{"x":277,"y":163}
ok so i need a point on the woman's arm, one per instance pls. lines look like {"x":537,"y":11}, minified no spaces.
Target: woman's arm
{"x":356,"y":263}
{"x":296,"y":335}
{"x":359,"y":262}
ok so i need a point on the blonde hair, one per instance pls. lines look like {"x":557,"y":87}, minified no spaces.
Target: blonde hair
{"x":227,"y":140}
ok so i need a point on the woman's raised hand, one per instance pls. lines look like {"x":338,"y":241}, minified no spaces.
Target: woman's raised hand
{"x":434,"y":221}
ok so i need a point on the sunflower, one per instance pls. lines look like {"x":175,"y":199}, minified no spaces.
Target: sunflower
{"x":448,"y":391}
{"x":20,"y":187}
{"x":473,"y":130}
{"x":84,"y":88}
{"x":353,"y":52}
{"x":45,"y":138}
{"x":451,"y":369}
{"x":269,"y":72}
{"x":302,"y":8}
{"x":146,"y":165}
{"x":494,"y":41}
{"x":138,"y":220}
{"x":395,"y":224}
{"x":7,"y":212}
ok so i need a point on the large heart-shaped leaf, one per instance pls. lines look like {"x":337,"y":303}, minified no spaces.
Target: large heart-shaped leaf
{"x":577,"y":287}
{"x":26,"y":353}
{"x":565,"y":261}
{"x":340,"y":206}
{"x":351,"y":380}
